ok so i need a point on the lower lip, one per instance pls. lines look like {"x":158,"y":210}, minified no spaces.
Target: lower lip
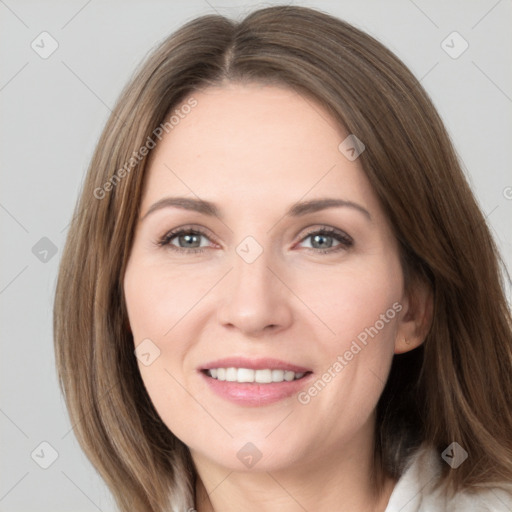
{"x":254,"y":394}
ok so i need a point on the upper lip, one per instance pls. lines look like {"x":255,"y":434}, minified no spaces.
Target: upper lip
{"x":254,"y":364}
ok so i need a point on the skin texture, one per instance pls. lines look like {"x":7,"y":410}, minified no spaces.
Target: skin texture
{"x":255,"y":151}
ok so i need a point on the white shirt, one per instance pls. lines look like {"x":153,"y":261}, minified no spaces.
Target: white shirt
{"x":413,"y":491}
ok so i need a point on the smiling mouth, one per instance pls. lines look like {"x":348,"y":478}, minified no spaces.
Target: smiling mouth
{"x":254,"y":382}
{"x":249,"y":375}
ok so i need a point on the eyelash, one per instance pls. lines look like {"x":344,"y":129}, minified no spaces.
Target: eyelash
{"x":345,"y":240}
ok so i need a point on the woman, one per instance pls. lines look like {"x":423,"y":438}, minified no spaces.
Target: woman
{"x":278,"y":292}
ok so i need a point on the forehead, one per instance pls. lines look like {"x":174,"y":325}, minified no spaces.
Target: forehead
{"x":254,"y":142}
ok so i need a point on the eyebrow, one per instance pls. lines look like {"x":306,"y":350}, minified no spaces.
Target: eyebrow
{"x":296,"y":210}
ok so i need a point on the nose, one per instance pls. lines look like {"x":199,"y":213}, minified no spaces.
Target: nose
{"x":254,"y":298}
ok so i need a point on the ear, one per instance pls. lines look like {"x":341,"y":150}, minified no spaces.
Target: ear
{"x":416,"y":317}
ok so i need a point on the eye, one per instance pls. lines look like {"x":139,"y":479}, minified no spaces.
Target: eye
{"x":185,"y":240}
{"x":190,"y":240}
{"x":322,"y":240}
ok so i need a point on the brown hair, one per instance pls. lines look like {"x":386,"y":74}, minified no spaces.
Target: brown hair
{"x":455,"y":387}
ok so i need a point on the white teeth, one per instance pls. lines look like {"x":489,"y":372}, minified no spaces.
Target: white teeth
{"x":289,"y":376}
{"x":265,"y":376}
{"x":245,"y":375}
{"x":277,"y":375}
{"x":231,"y":374}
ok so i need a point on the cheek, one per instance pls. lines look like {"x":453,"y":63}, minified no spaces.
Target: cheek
{"x":358,"y":302}
{"x":160,"y":301}
{"x":156,"y":301}
{"x":159,"y":296}
{"x":365,"y":310}
{"x":360,"y":308}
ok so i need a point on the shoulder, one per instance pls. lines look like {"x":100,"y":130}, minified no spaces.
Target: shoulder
{"x":414,"y":491}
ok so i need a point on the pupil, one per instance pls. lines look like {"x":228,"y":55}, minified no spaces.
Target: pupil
{"x":319,"y":238}
{"x":190,"y":238}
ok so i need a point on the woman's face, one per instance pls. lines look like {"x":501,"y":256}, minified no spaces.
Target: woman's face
{"x":256,"y":274}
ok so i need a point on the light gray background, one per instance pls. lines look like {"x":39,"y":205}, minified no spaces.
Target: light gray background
{"x":52,"y":112}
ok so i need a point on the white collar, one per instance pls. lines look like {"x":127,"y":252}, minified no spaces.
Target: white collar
{"x":414,"y":490}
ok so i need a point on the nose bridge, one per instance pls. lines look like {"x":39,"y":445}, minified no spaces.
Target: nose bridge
{"x":251,"y":270}
{"x":254,"y":298}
